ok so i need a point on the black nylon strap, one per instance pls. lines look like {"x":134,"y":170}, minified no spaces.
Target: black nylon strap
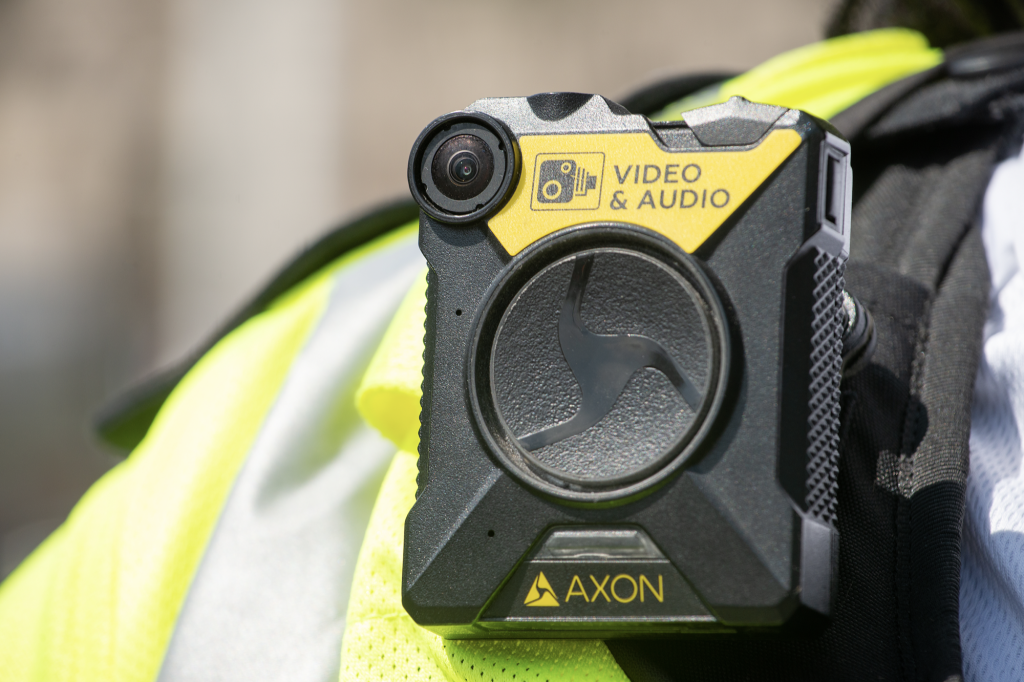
{"x":932,"y":518}
{"x":981,"y":67}
{"x":951,"y":102}
{"x":852,"y":121}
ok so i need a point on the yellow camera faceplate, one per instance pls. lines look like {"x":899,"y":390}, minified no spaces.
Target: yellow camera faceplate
{"x":627,"y":177}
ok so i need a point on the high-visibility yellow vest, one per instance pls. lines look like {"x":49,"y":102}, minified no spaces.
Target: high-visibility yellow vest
{"x":103,"y":598}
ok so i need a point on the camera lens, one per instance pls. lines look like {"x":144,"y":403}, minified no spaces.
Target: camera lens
{"x":462,"y":167}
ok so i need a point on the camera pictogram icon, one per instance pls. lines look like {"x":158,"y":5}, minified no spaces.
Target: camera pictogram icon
{"x":568,"y":181}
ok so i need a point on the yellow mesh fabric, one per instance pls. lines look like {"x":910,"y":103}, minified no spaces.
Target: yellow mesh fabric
{"x":381,"y":641}
{"x":97,"y":601}
{"x":824,"y":78}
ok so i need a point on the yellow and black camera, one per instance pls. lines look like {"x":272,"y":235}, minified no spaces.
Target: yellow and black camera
{"x":634,"y":343}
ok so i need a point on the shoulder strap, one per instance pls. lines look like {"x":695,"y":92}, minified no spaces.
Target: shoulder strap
{"x":989,"y":66}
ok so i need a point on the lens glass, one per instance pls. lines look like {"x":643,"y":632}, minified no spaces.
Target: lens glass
{"x":462,"y":167}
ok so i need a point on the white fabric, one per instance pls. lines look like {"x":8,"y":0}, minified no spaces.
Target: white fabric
{"x":992,"y":581}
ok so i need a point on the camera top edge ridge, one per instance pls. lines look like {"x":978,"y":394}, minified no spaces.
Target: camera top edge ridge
{"x":594,"y":115}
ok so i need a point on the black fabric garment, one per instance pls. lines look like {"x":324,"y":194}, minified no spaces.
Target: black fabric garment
{"x":921,"y":165}
{"x":943,"y":22}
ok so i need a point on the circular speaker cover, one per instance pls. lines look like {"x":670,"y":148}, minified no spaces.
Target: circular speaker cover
{"x":599,"y":362}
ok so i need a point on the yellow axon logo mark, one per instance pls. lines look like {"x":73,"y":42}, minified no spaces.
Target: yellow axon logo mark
{"x":540,"y":593}
{"x":567,"y":181}
{"x":623,"y":588}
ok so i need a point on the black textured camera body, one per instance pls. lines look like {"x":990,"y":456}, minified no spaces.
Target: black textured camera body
{"x":630,"y":393}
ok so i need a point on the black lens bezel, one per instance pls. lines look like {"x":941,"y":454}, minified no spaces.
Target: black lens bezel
{"x":505,"y":154}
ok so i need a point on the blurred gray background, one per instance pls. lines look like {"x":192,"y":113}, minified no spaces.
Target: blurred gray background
{"x":159,"y":159}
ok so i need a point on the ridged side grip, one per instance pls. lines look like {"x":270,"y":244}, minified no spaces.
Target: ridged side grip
{"x":826,"y":372}
{"x":429,"y":337}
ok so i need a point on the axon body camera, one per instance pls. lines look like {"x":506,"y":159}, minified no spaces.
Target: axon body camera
{"x":634,"y":343}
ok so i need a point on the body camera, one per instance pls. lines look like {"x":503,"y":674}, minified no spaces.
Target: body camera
{"x":634,"y":337}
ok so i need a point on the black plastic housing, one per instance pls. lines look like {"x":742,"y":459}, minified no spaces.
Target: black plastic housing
{"x":737,"y":524}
